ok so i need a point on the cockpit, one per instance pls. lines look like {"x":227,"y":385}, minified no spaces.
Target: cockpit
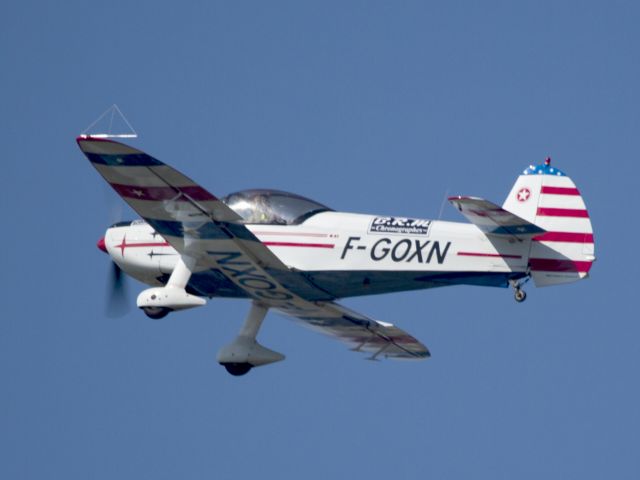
{"x":272,"y":207}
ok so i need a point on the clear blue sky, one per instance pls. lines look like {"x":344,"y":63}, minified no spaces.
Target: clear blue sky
{"x":377,"y":107}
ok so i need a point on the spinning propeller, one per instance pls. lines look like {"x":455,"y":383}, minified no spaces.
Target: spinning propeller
{"x":117,"y":301}
{"x":117,"y":292}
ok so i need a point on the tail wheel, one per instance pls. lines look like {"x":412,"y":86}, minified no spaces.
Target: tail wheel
{"x":520,"y":295}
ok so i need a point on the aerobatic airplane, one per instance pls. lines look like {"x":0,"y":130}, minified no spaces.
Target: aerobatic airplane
{"x":293,"y":255}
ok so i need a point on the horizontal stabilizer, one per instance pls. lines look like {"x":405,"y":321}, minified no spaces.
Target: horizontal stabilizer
{"x":493,"y":219}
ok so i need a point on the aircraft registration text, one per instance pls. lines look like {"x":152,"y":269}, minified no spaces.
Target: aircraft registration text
{"x":404,"y":250}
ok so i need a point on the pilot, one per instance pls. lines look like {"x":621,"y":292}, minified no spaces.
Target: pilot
{"x":263,"y":212}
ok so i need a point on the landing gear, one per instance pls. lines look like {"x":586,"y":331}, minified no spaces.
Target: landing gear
{"x":156,"y":312}
{"x":245,"y":352}
{"x":519,"y":294}
{"x":157,"y":302}
{"x":237,"y":369}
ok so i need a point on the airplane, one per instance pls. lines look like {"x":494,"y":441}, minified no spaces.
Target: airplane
{"x":287,"y":253}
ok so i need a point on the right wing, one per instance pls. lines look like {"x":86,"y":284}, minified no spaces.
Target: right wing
{"x":362,"y":334}
{"x":212,"y":236}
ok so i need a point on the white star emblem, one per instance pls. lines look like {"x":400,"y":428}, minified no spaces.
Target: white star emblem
{"x":523,"y":194}
{"x":137,"y":193}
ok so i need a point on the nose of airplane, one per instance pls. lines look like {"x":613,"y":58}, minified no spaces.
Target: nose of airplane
{"x":101,"y":245}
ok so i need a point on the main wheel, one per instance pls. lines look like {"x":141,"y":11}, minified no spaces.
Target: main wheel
{"x":237,"y":369}
{"x":520,"y":295}
{"x":156,"y":312}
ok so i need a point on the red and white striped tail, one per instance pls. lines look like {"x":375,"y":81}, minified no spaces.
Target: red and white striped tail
{"x":547,"y":197}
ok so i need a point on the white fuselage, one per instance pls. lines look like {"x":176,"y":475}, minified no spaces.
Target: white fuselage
{"x":349,"y":244}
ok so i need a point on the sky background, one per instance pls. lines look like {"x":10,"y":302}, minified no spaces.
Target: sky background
{"x":367,"y":106}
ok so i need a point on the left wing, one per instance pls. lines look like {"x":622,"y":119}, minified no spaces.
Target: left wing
{"x":183,"y":212}
{"x":212,"y":236}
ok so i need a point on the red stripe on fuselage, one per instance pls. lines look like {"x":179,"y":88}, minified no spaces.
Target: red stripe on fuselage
{"x":553,"y":265}
{"x":194,"y":192}
{"x":150,"y":244}
{"x":292,"y":244}
{"x":562,"y":212}
{"x":569,"y":237}
{"x":292,"y":234}
{"x":479,"y":254}
{"x":124,"y":245}
{"x":560,"y":190}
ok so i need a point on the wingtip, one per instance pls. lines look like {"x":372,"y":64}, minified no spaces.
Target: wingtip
{"x":100,"y":145}
{"x":88,"y":138}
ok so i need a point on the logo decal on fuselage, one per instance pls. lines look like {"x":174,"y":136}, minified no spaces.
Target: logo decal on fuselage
{"x":399,"y":226}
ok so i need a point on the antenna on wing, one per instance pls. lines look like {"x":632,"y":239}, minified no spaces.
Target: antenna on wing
{"x":111,"y":124}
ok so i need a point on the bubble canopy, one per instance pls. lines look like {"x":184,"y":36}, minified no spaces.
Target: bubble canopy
{"x":272,"y":207}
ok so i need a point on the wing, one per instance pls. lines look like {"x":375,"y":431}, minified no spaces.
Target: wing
{"x":184,"y":213}
{"x":493,"y":219}
{"x":203,"y":229}
{"x":362,"y":334}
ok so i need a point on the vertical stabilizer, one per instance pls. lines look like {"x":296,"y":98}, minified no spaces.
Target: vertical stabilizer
{"x":547,"y":197}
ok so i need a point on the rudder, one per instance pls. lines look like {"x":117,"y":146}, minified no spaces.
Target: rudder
{"x":547,"y":197}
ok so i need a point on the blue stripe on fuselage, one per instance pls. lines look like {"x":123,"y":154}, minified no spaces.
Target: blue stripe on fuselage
{"x":330,"y":285}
